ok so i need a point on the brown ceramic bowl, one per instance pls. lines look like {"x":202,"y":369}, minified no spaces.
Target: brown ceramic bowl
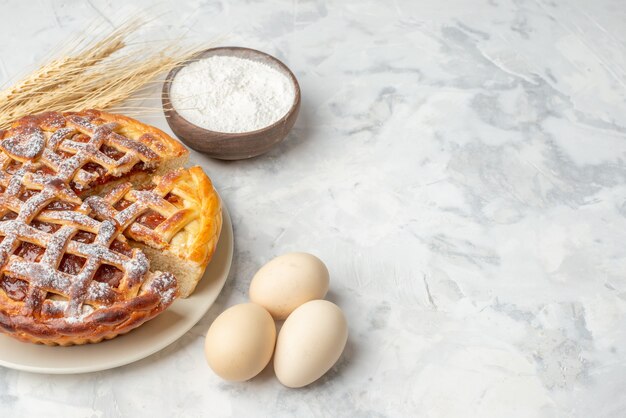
{"x":232,"y":146}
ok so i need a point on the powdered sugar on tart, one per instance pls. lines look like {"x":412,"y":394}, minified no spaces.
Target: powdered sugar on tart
{"x":71,"y":267}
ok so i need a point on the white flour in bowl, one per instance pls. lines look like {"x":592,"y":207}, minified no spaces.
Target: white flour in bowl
{"x":230,"y":94}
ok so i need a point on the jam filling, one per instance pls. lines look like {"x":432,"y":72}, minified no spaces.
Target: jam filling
{"x":71,"y":264}
{"x":109,"y":274}
{"x":173,"y":199}
{"x":15,"y":288}
{"x":80,"y":138}
{"x":13,"y":167}
{"x":44,"y":170}
{"x":122,"y":204}
{"x":104,"y":178}
{"x":122,"y":248}
{"x":27,"y":194}
{"x":95,"y":168}
{"x":112,"y":152}
{"x":9,"y":216}
{"x":151,"y":219}
{"x":84,"y":237}
{"x":29,"y":252}
{"x":45,"y":226}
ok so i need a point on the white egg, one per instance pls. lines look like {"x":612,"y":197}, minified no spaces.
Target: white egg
{"x":240,"y":342}
{"x":310,"y":343}
{"x":288,"y":281}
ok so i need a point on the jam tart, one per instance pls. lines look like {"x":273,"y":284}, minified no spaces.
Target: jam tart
{"x":100,"y":227}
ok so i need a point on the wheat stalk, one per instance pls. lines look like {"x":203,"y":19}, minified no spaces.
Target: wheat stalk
{"x":97,"y":75}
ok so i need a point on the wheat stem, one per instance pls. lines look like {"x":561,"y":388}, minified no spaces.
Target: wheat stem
{"x":99,"y":74}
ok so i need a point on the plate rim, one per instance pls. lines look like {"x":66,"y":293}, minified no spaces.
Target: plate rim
{"x":227,"y":228}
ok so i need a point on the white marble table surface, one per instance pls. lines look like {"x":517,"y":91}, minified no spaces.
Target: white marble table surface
{"x":460,"y":166}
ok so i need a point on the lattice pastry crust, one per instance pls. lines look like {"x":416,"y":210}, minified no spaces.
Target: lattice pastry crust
{"x":178,"y":218}
{"x":72,"y":268}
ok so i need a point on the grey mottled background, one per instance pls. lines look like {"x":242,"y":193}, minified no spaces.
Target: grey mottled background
{"x":458,"y":165}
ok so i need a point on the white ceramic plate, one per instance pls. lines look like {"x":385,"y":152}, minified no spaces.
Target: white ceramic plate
{"x":137,"y":344}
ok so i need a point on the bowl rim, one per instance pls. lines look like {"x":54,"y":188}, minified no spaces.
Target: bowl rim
{"x":167,"y":84}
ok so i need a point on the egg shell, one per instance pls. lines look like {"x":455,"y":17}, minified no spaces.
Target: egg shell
{"x":240,"y":342}
{"x":288,"y":281}
{"x":310,"y":343}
